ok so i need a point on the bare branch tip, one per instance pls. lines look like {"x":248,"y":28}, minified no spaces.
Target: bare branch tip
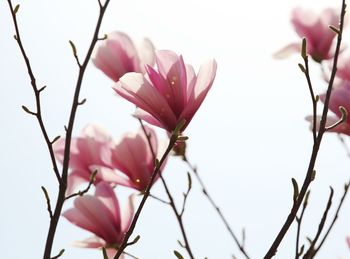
{"x":82,"y":102}
{"x":28,"y":111}
{"x":16,"y":9}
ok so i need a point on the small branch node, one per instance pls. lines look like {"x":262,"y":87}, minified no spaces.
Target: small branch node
{"x":55,"y":139}
{"x":105,"y":36}
{"x":74,"y":49}
{"x":81,"y":193}
{"x":82,"y":102}
{"x":28,"y":111}
{"x":59,"y":254}
{"x":136,"y":239}
{"x":336,"y":30}
{"x":42,"y":89}
{"x":303,"y":49}
{"x":344,"y":116}
{"x":47,"y":201}
{"x":16,"y":9}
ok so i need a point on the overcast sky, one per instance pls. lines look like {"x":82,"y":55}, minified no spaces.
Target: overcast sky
{"x":248,"y":139}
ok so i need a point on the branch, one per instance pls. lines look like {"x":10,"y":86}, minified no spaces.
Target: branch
{"x":215,"y":206}
{"x":156,"y":170}
{"x":47,"y":201}
{"x":346,"y":188}
{"x":299,"y":220}
{"x":310,"y":171}
{"x":310,"y":252}
{"x":171,"y":199}
{"x":69,"y":129}
{"x":81,"y":193}
{"x":36,"y":90}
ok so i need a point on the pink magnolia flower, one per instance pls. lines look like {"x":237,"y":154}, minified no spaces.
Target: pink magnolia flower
{"x":100,"y":214}
{"x":348,"y":241}
{"x":340,"y":97}
{"x":169,"y":95}
{"x":118,"y":55}
{"x":132,"y":156}
{"x":315,"y":28}
{"x":343,"y":67}
{"x":86,"y":155}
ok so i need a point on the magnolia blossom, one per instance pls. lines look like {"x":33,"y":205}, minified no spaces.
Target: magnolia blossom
{"x":169,"y":95}
{"x":315,"y":28}
{"x":87,"y":154}
{"x":100,"y":214}
{"x":118,"y":55}
{"x":343,"y":67}
{"x":133,"y":156}
{"x":340,"y":97}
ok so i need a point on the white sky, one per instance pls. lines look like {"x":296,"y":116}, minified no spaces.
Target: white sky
{"x":248,"y":139}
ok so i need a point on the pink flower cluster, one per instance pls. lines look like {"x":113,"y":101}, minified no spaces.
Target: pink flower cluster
{"x":315,"y":28}
{"x":165,"y":96}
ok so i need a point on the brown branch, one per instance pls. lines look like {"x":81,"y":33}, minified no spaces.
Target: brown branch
{"x":81,"y":193}
{"x":310,"y":252}
{"x":36,"y":91}
{"x":310,"y":171}
{"x":346,"y":188}
{"x":156,"y":170}
{"x":299,"y":220}
{"x":178,"y":214}
{"x":216,"y":207}
{"x":59,"y":254}
{"x":48,"y":202}
{"x":63,"y":179}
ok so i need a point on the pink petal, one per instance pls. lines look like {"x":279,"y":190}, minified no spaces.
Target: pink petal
{"x":132,"y":157}
{"x":75,"y":179}
{"x":287,"y":51}
{"x":204,"y":82}
{"x":91,"y":242}
{"x":134,"y":88}
{"x":146,"y":52}
{"x":106,"y":195}
{"x":172,"y":67}
{"x":96,"y":212}
{"x":141,"y":114}
{"x":128,"y":214}
{"x":76,"y":217}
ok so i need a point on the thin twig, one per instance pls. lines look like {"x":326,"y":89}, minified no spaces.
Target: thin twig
{"x":48,"y":202}
{"x":156,"y":170}
{"x":216,"y":207}
{"x":81,"y":193}
{"x":342,"y":141}
{"x":186,"y":194}
{"x":299,"y":220}
{"x":346,"y":188}
{"x":171,"y":199}
{"x":36,"y":91}
{"x":310,"y":251}
{"x":310,"y":171}
{"x":159,"y":199}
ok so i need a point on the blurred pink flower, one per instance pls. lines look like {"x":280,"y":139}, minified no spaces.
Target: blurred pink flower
{"x":87,"y":154}
{"x":118,"y":55}
{"x":132,"y":156}
{"x":100,"y":214}
{"x":340,"y":97}
{"x":348,"y":241}
{"x":169,"y":95}
{"x":315,"y":28}
{"x":343,"y":67}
